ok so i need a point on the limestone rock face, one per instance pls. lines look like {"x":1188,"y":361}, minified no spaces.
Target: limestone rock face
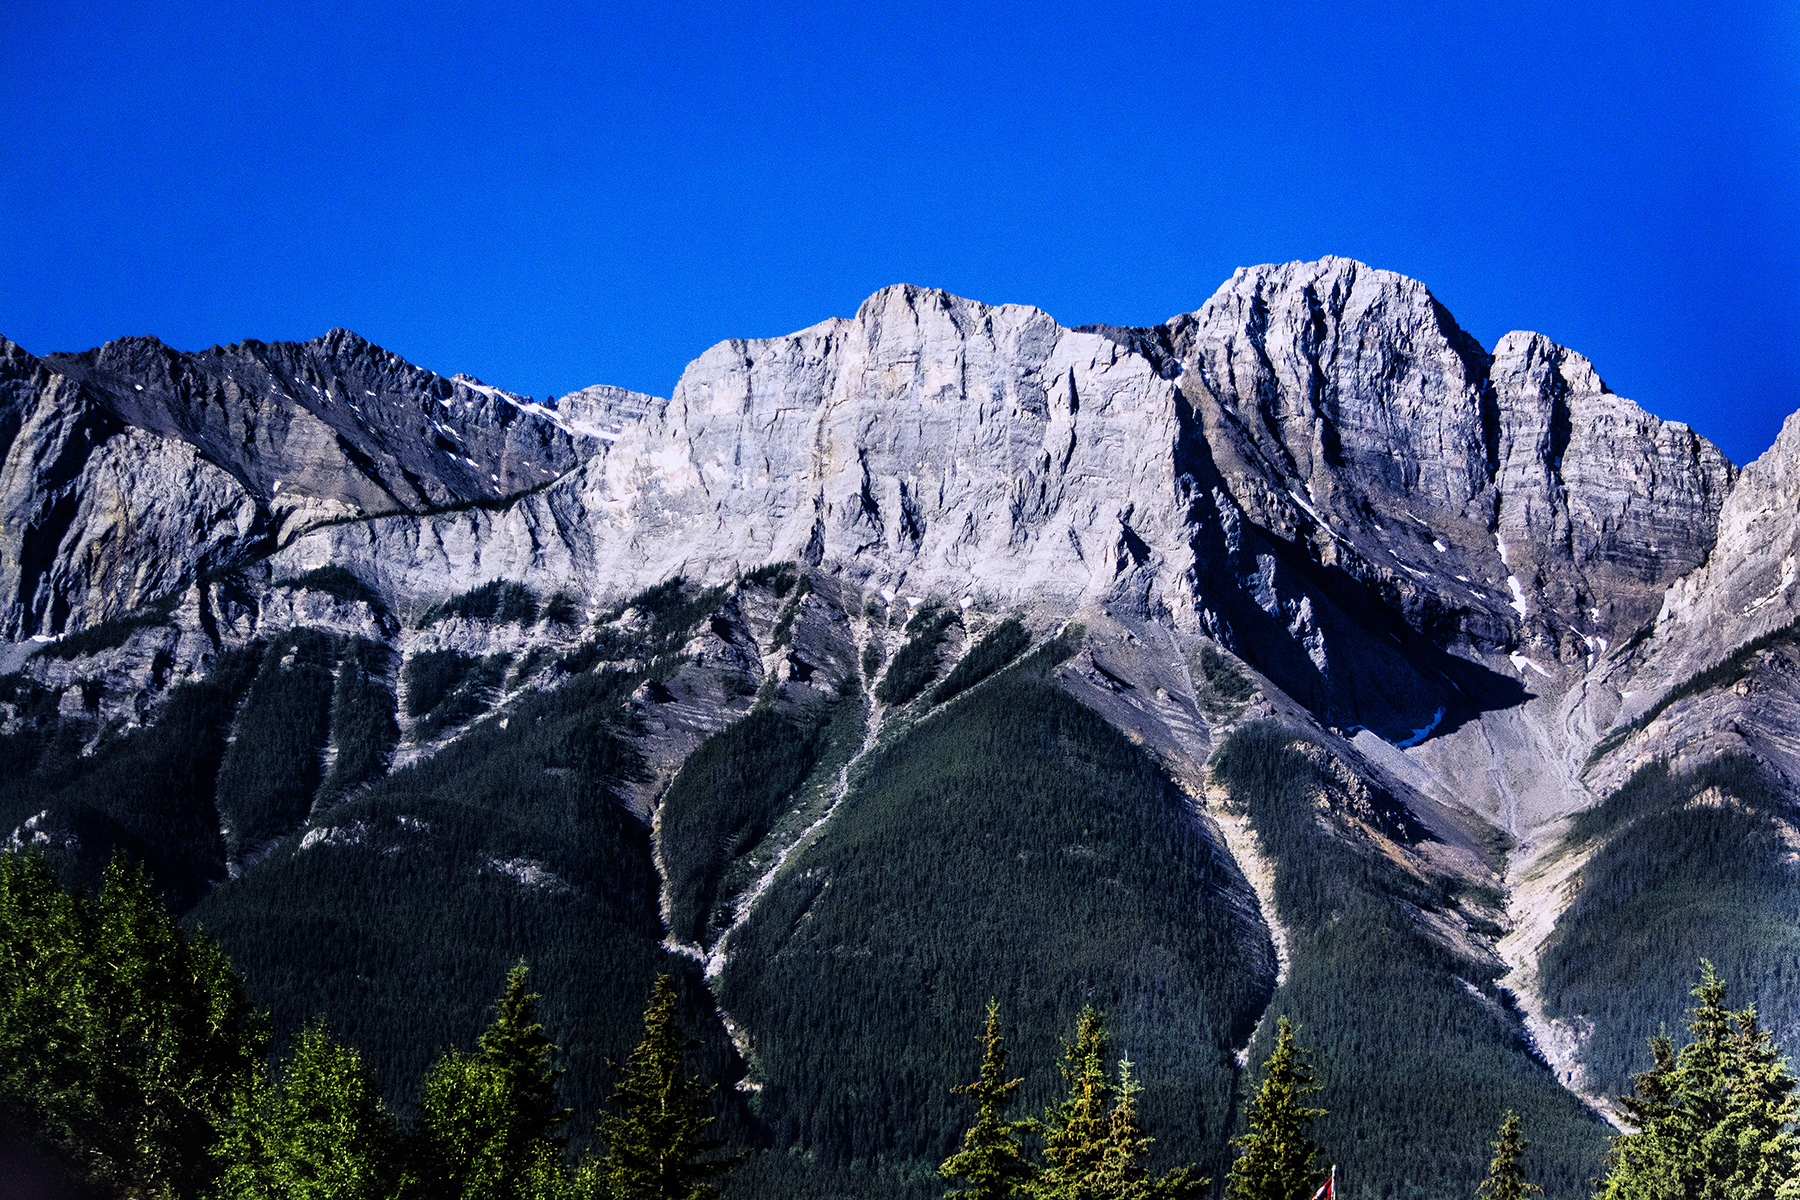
{"x":335,"y":420}
{"x":1738,"y":609}
{"x":1601,"y":505}
{"x":1318,"y":467}
{"x":931,"y":445}
{"x":132,"y":468}
{"x":1385,"y":465}
{"x":100,"y":516}
{"x":1748,"y":587}
{"x":1352,"y":393}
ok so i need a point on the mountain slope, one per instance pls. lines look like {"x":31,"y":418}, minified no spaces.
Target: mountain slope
{"x":937,"y":653}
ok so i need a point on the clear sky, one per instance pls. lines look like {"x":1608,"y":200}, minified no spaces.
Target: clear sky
{"x":549,"y":196}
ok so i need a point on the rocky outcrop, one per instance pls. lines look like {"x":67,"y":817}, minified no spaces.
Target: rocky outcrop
{"x":1318,"y":467}
{"x":335,"y":421}
{"x":931,"y":445}
{"x":1719,"y":669}
{"x":132,"y":468}
{"x":1500,"y":503}
{"x":1600,"y":505}
{"x":100,"y":516}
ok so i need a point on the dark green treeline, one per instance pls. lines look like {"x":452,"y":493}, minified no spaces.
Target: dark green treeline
{"x":1689,"y":864}
{"x":1418,"y":1050}
{"x":1015,"y":845}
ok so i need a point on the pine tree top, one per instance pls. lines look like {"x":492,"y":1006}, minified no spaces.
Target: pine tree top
{"x":1276,"y":1160}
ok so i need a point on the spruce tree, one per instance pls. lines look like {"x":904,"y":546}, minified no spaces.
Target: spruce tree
{"x":491,"y":1118}
{"x":1077,"y":1128}
{"x":992,"y":1158}
{"x":656,"y":1145}
{"x":517,"y":1048}
{"x":1764,"y":1111}
{"x":1094,"y":1148}
{"x":1276,"y":1160}
{"x":1122,"y":1174}
{"x":1506,"y":1174}
{"x":1712,"y":1120}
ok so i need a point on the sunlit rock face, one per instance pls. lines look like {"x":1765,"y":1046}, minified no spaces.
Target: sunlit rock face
{"x":1479,"y":587}
{"x":1318,"y":467}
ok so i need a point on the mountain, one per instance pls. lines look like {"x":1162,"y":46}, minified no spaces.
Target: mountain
{"x":1299,"y":655}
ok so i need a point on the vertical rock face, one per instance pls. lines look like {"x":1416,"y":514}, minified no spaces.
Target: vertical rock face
{"x":1601,"y":505}
{"x":1336,"y":438}
{"x":1716,"y":670}
{"x":133,"y":467}
{"x":1355,"y":390}
{"x":99,"y":516}
{"x":930,"y":445}
{"x":1318,"y":466}
{"x":1384,"y":464}
{"x":1748,"y":587}
{"x":1351,"y":382}
{"x":336,"y":420}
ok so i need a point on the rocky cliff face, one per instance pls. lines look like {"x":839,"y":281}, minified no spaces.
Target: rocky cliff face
{"x":1316,"y":466}
{"x":134,"y":467}
{"x":931,"y":445}
{"x":1484,"y":589}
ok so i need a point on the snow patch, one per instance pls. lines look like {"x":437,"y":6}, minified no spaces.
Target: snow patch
{"x":1314,"y":514}
{"x":1521,"y":664}
{"x":1419,"y":735}
{"x":1518,"y":594}
{"x":578,"y":428}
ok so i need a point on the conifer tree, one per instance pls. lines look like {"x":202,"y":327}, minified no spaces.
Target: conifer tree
{"x":1093,"y":1146}
{"x":1077,"y":1128}
{"x":992,"y":1158}
{"x":1715,"y":1118}
{"x":657,"y":1148}
{"x":123,"y":1041}
{"x":491,"y":1118}
{"x":519,"y":1051}
{"x":1276,"y":1160}
{"x":1122,"y":1174}
{"x":319,"y":1132}
{"x":1506,"y":1174}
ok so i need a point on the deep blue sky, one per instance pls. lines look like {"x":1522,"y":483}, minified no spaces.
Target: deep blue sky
{"x":549,"y":196}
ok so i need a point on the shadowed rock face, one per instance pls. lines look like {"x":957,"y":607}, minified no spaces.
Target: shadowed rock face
{"x":130,"y":468}
{"x":335,"y":419}
{"x":1498,"y":504}
{"x":1318,"y":466}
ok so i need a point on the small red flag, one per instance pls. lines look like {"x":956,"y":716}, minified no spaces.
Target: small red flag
{"x":1327,"y":1190}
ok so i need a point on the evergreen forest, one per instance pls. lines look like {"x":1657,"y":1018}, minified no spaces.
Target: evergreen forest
{"x":902,"y":918}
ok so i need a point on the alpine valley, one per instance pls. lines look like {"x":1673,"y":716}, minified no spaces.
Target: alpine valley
{"x":1300,"y":656}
